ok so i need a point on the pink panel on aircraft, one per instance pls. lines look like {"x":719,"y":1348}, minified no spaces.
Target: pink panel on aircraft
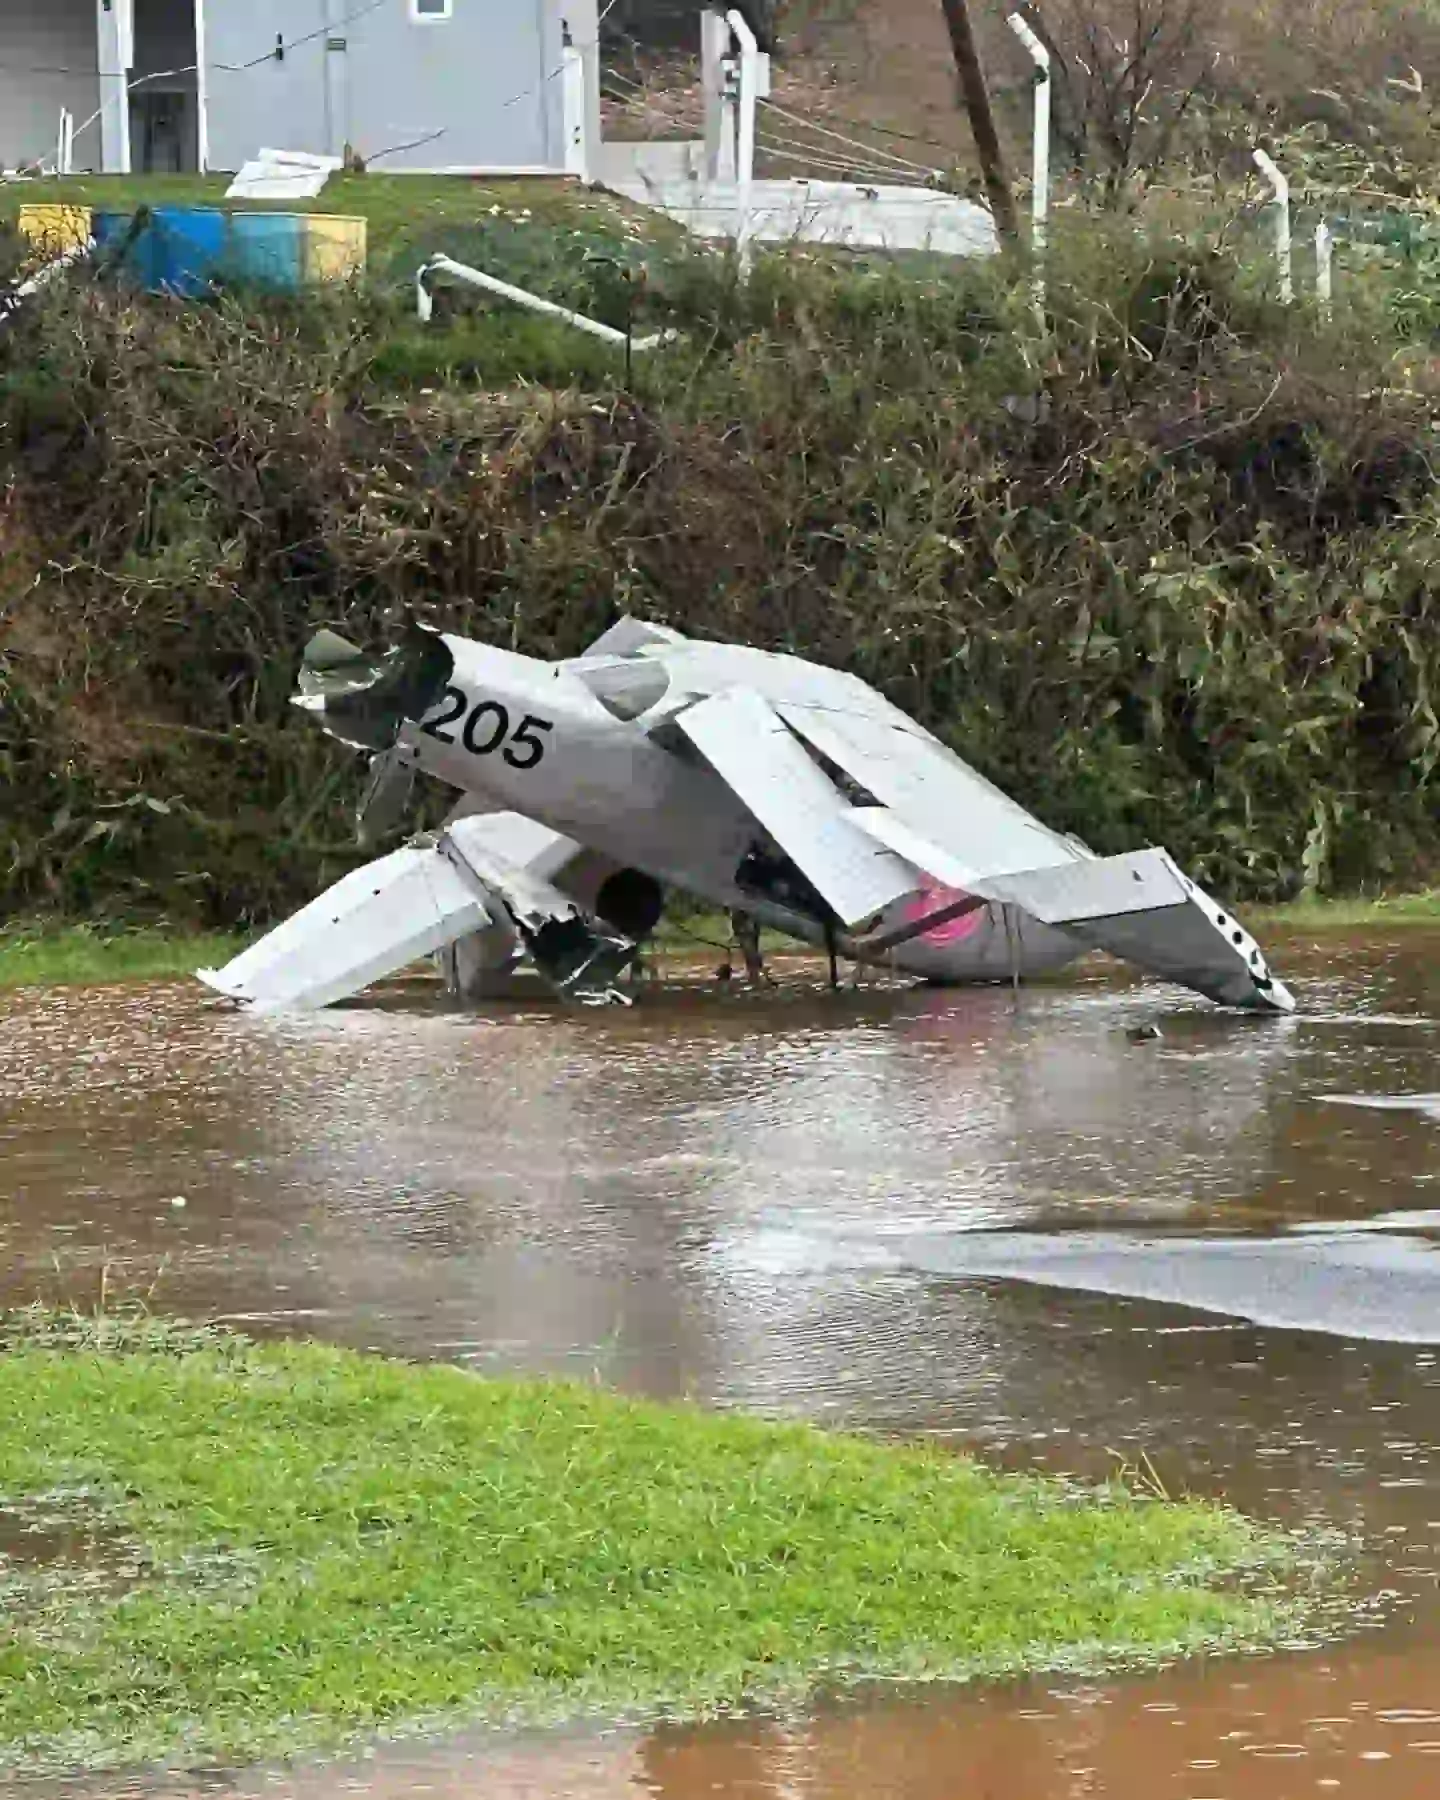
{"x":935,"y":897}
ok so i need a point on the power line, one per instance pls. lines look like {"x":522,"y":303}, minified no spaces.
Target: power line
{"x":846,"y":174}
{"x":326,"y":30}
{"x":891,"y":131}
{"x":559,"y":69}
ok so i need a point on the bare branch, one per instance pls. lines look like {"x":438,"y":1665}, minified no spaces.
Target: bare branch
{"x":1128,"y":73}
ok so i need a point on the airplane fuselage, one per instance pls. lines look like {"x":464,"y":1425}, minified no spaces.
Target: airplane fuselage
{"x":532,"y":738}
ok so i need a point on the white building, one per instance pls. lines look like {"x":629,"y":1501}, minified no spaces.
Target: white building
{"x":175,"y":85}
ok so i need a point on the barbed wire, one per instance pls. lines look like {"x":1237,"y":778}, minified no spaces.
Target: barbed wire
{"x":791,"y":149}
{"x":873,"y":150}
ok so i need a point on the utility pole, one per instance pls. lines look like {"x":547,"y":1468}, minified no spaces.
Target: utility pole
{"x":982,"y":120}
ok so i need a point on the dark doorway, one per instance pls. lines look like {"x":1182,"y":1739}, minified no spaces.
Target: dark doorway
{"x":164,"y":100}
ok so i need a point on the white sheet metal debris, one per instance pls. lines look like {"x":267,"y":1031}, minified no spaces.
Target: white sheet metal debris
{"x":761,"y":784}
{"x":284,"y":175}
{"x":842,"y":214}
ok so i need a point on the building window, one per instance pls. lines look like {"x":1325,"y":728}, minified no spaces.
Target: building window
{"x":431,"y":12}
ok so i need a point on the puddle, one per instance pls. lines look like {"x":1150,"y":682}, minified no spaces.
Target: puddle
{"x":62,"y":1545}
{"x":55,"y":1535}
{"x":807,"y":1205}
{"x":1348,"y":1282}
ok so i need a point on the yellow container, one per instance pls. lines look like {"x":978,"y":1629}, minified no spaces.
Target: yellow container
{"x":51,"y":230}
{"x":334,"y":248}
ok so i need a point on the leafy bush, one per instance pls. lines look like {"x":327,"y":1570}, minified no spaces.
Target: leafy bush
{"x":1164,"y":568}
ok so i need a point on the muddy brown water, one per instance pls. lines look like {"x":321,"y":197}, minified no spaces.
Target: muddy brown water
{"x":995,"y":1220}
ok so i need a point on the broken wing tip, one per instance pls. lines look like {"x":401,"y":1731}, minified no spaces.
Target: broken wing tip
{"x":214,"y":979}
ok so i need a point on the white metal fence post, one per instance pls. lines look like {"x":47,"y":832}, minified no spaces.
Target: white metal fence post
{"x":1280,"y":192}
{"x":1040,"y":168}
{"x":745,"y":152}
{"x":719,"y":114}
{"x":575,"y":106}
{"x":1325,"y":268}
{"x":65,"y":143}
{"x":1040,"y":165}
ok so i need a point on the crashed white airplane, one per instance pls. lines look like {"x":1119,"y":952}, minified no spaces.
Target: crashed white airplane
{"x":781,"y":791}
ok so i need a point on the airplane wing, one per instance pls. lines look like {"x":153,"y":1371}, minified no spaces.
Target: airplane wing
{"x":482,"y":869}
{"x":375,"y":921}
{"x":931,"y":790}
{"x":756,"y":754}
{"x":854,"y":729}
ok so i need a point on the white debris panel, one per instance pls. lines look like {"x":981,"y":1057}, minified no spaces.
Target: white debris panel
{"x":843,"y":214}
{"x":284,"y":175}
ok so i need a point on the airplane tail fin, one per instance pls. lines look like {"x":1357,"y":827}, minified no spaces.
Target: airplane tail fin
{"x":1143,"y":909}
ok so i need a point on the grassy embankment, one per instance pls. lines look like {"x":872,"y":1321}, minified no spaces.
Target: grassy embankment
{"x":552,"y":235}
{"x":409,"y":217}
{"x":83,"y":956}
{"x":297,"y":1543}
{"x":1346,"y":915}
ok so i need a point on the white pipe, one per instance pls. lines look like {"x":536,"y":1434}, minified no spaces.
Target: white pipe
{"x":424,"y":299}
{"x":1325,"y":267}
{"x":1280,"y":192}
{"x":1040,"y":181}
{"x":492,"y":284}
{"x":745,"y":152}
{"x":42,"y":278}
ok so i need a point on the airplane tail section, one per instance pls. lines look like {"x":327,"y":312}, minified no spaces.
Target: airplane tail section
{"x":1143,"y":909}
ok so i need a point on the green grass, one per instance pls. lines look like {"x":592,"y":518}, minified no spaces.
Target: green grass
{"x":409,"y":216}
{"x":89,"y":956}
{"x":320,"y":1543}
{"x":1343,"y":915}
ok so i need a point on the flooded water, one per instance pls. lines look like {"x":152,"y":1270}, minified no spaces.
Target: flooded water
{"x":998,"y":1220}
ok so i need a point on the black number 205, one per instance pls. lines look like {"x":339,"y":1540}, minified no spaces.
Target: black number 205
{"x":488,"y":727}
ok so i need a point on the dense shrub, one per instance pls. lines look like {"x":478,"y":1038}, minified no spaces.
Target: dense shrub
{"x":1164,"y":568}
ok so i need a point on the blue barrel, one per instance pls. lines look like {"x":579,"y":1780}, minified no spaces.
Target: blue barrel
{"x":109,"y":229}
{"x":190,"y":249}
{"x":268,"y":249}
{"x":181,"y":250}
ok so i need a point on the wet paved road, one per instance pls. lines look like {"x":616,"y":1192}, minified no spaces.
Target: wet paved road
{"x":822,"y":1206}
